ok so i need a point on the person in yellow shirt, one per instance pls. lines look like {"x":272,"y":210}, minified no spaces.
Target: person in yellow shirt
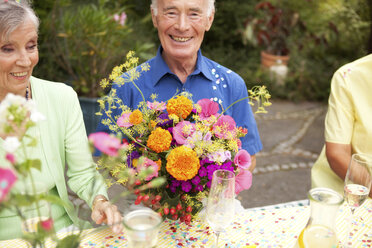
{"x":348,"y":123}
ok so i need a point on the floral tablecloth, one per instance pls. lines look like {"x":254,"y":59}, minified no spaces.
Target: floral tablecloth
{"x":267,"y":227}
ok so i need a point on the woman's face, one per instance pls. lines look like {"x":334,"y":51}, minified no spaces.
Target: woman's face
{"x":18,"y":57}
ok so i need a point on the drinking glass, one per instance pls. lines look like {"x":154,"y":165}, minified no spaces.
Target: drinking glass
{"x":142,"y":228}
{"x":220,"y":206}
{"x":358,"y":182}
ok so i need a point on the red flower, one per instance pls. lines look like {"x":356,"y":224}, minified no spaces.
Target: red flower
{"x":47,"y":225}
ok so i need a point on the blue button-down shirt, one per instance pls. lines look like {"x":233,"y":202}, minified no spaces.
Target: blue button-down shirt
{"x":209,"y":80}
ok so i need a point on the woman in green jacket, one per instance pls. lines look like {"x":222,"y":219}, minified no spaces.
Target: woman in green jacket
{"x":63,"y":138}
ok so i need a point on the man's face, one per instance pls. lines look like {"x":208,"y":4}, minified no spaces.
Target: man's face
{"x":181,"y":26}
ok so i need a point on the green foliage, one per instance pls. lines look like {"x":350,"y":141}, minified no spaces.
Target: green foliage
{"x":86,"y":43}
{"x":330,"y":34}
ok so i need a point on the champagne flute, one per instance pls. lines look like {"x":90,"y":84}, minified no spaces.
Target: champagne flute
{"x":358,"y":181}
{"x":220,"y":206}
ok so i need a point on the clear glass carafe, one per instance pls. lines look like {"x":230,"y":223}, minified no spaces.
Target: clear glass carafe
{"x":320,"y":231}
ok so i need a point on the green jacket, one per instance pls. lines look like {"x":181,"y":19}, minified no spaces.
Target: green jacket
{"x":64,"y":143}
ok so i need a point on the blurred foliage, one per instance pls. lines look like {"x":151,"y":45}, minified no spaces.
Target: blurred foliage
{"x":86,"y":42}
{"x":332,"y":33}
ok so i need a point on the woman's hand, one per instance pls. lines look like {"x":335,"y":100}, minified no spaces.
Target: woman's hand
{"x":105,"y":212}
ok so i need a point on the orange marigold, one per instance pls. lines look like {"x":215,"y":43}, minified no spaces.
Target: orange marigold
{"x":180,"y":106}
{"x":136,"y":117}
{"x":159,"y":140}
{"x":183,"y":163}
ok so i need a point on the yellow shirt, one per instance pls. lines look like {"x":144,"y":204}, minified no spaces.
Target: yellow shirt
{"x":349,"y":118}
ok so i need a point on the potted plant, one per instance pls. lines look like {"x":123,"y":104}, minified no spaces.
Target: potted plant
{"x":87,"y":40}
{"x":270,"y":30}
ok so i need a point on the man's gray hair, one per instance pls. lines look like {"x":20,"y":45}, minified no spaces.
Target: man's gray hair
{"x":154,"y":7}
{"x":13,"y":14}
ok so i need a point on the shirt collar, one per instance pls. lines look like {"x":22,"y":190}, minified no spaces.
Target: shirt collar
{"x":159,"y":68}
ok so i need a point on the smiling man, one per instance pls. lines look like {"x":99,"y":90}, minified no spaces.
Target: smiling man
{"x":179,"y":66}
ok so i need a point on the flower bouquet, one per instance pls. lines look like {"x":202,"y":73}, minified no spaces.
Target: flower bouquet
{"x":21,"y":193}
{"x":184,"y":142}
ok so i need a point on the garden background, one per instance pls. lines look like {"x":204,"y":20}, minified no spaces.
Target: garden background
{"x":80,"y":42}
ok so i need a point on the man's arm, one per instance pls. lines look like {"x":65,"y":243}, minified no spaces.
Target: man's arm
{"x":253,"y":163}
{"x":338,"y":156}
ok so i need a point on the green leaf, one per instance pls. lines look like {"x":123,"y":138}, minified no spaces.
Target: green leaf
{"x":71,"y":241}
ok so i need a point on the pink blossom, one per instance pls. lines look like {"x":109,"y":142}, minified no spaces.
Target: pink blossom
{"x":208,"y":108}
{"x":182,"y":131}
{"x":106,"y":143}
{"x":123,"y":120}
{"x":11,"y":158}
{"x":158,"y":106}
{"x":225,"y":127}
{"x":242,"y":159}
{"x":121,"y":19}
{"x":47,"y":225}
{"x":7,"y":179}
{"x":147,"y":163}
{"x":243,"y":181}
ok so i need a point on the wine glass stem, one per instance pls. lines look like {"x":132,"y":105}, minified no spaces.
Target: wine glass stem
{"x":217,"y":237}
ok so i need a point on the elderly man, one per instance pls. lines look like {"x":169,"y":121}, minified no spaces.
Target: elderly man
{"x":179,"y":66}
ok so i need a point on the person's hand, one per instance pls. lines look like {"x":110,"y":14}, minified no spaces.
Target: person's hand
{"x":105,"y":212}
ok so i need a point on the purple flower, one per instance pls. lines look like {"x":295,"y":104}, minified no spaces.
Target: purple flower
{"x":186,"y":186}
{"x":196,"y":180}
{"x":202,"y":171}
{"x":199,"y":188}
{"x":176,"y":183}
{"x":211,"y":168}
{"x":209,"y":184}
{"x":227,"y":166}
{"x":133,"y":155}
{"x":163,"y":120}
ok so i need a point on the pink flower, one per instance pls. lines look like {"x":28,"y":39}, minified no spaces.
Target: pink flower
{"x":121,"y":19}
{"x":225,"y":127}
{"x":123,"y":120}
{"x":7,"y":179}
{"x":243,"y":159}
{"x":158,"y":106}
{"x":47,"y":225}
{"x":243,"y":181}
{"x":208,"y":108}
{"x":182,"y":131}
{"x":11,"y":158}
{"x":147,"y":163}
{"x":106,"y":143}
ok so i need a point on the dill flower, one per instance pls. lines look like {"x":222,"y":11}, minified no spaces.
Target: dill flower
{"x":159,"y":140}
{"x":180,"y":106}
{"x":136,"y":117}
{"x":182,"y":163}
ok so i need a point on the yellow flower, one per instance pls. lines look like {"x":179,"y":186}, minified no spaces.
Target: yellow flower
{"x":152,"y":124}
{"x":136,"y":117}
{"x":159,"y":140}
{"x":182,"y":163}
{"x":180,"y":106}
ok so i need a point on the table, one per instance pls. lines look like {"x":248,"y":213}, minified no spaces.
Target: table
{"x":275,"y":226}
